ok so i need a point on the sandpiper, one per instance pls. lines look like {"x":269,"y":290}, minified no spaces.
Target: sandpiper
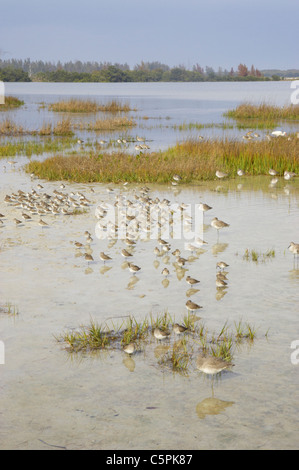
{"x":179,"y":329}
{"x":177,"y":177}
{"x":165,"y":272}
{"x":134,"y":268}
{"x":161,"y":334}
{"x":294,"y":248}
{"x":192,"y":306}
{"x":104,"y":257}
{"x":204,"y":207}
{"x":220,"y":283}
{"x":221,"y":275}
{"x":191,"y":281}
{"x":42,"y":223}
{"x":272,"y":172}
{"x":125,"y":253}
{"x":181,"y":261}
{"x":218,"y":224}
{"x":221,"y":174}
{"x":240,"y":172}
{"x":222,"y":265}
{"x":212,"y":365}
{"x":129,"y":348}
{"x":88,"y":257}
{"x":17,"y":221}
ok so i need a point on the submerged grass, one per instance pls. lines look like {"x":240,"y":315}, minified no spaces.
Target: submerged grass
{"x":254,"y":255}
{"x":192,"y":160}
{"x":178,"y":353}
{"x":9,"y":309}
{"x":32,"y":147}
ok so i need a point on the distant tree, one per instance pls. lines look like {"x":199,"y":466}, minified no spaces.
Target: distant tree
{"x":242,"y":70}
{"x":198,"y":68}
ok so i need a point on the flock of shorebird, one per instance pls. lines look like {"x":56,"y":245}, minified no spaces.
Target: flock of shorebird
{"x":37,"y":204}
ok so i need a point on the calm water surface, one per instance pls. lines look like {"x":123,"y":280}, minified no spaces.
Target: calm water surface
{"x":108,"y":401}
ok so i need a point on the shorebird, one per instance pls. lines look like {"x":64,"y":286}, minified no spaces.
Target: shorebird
{"x":88,"y":257}
{"x":181,"y":261}
{"x":125,"y":253}
{"x":133,"y":268}
{"x":278,"y":133}
{"x":177,"y":177}
{"x":294,"y":248}
{"x":218,"y":224}
{"x":272,"y":172}
{"x":221,"y":275}
{"x":212,"y":365}
{"x":221,"y":174}
{"x":192,"y":306}
{"x":17,"y":221}
{"x":80,"y":141}
{"x":240,"y":172}
{"x":161,"y":334}
{"x":104,"y":257}
{"x":204,"y":207}
{"x":129,"y":348}
{"x":191,"y":281}
{"x":42,"y":223}
{"x":222,"y":265}
{"x":288,"y":175}
{"x":220,"y":282}
{"x":165,"y":272}
{"x":179,"y":329}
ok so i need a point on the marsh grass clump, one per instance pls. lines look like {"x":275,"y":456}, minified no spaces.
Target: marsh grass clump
{"x":264,"y":111}
{"x":74,"y":106}
{"x":9,"y":309}
{"x":193,"y":160}
{"x":34,"y":147}
{"x":63,"y":127}
{"x":163,"y":321}
{"x":178,"y":358}
{"x":179,"y":352}
{"x":115,"y":106}
{"x":254,"y":255}
{"x":134,"y":331}
{"x":87,"y":338}
{"x":244,"y":331}
{"x":11,"y":102}
{"x":88,"y":106}
{"x":10,"y":128}
{"x":106,"y":125}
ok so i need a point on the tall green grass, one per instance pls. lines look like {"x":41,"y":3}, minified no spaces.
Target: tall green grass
{"x":192,"y":160}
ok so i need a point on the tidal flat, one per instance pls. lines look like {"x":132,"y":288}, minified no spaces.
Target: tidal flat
{"x":108,"y":399}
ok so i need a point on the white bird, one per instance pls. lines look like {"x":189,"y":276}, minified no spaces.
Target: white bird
{"x":278,"y":133}
{"x":221,"y":174}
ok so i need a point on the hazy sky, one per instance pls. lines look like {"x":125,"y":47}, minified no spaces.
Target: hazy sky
{"x":212,"y":32}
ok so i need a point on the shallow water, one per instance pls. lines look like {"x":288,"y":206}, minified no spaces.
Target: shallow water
{"x":108,"y":401}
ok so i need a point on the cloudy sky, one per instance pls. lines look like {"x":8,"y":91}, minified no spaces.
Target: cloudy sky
{"x":212,"y":32}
